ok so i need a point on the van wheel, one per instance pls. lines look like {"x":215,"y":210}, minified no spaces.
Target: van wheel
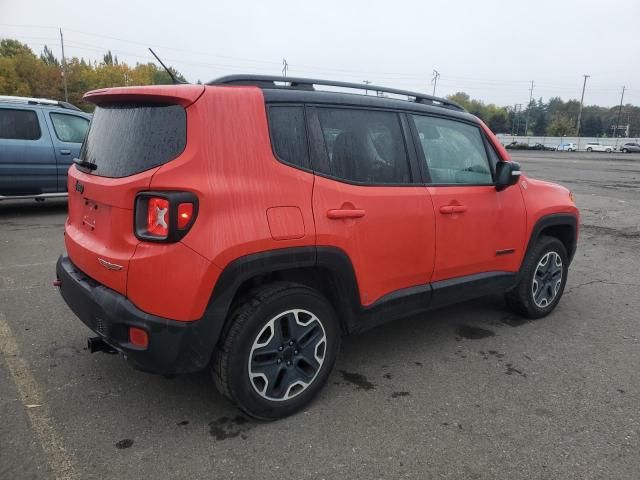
{"x":278,"y":350}
{"x":542,"y":281}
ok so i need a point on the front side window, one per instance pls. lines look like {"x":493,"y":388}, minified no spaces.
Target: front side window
{"x":454,"y":151}
{"x":69,"y":128}
{"x":19,"y":124}
{"x":288,"y":134}
{"x":364,"y":146}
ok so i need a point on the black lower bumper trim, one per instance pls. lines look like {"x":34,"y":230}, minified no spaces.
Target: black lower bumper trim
{"x":174,"y":346}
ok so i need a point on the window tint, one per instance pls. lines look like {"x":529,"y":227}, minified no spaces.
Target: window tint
{"x":69,"y":128}
{"x":125,"y":139}
{"x":454,"y":151}
{"x":288,"y":134}
{"x":364,"y":145}
{"x":19,"y":124}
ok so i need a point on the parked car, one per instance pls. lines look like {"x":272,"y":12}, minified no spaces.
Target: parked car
{"x":245,"y":227}
{"x":517,"y":146}
{"x":38,"y":140}
{"x":598,"y":147}
{"x":630,"y":147}
{"x":567,"y":147}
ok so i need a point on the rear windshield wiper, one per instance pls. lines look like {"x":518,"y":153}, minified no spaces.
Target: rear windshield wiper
{"x":85,"y":164}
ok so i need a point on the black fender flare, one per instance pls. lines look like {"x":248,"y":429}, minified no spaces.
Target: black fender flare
{"x":554,"y":219}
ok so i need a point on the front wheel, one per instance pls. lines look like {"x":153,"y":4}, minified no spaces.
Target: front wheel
{"x":542,"y":279}
{"x":624,"y":150}
{"x":278,"y":350}
{"x":589,"y":149}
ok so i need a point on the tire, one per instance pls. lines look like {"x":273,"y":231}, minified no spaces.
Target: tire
{"x":277,"y":351}
{"x":608,"y":150}
{"x":536,"y":302}
{"x":624,"y":150}
{"x":589,"y":149}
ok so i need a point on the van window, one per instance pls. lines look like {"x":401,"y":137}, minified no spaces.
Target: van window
{"x":125,"y":139}
{"x":69,"y":128}
{"x":364,"y":146}
{"x":454,"y":151}
{"x":19,"y":124}
{"x":288,"y":134}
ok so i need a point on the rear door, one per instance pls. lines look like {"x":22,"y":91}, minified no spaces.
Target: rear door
{"x":126,"y":144}
{"x":478,"y":229}
{"x":368,"y":200}
{"x":67,"y":132}
{"x":27,"y":161}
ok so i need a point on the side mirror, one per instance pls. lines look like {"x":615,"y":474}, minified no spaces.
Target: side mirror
{"x":507,"y":174}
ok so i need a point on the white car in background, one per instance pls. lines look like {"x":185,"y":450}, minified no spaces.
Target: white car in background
{"x":598,"y":147}
{"x":567,"y":147}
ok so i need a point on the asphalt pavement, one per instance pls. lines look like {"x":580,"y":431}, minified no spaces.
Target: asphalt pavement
{"x":466,"y":392}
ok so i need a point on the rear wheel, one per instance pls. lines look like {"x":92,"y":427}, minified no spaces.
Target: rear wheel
{"x":608,"y":150}
{"x":278,"y":350}
{"x":543,"y":277}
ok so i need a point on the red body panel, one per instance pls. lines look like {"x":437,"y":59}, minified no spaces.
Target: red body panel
{"x":467,"y":242}
{"x":239,"y":177}
{"x":391,"y":246}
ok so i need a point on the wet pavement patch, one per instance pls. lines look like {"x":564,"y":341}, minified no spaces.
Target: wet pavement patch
{"x":126,"y":443}
{"x":183,"y":423}
{"x":400,"y":394}
{"x":226,"y":427}
{"x":358,"y":380}
{"x":474,"y":333}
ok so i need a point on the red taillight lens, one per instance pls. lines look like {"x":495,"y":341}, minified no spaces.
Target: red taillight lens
{"x":185,"y":214}
{"x":158,"y":217}
{"x":138,"y":337}
{"x":164,"y":216}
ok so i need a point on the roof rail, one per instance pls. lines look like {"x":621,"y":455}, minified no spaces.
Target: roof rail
{"x":272,"y":81}
{"x":37,"y":101}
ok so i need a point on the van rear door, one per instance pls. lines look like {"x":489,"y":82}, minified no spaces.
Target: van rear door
{"x":133,"y":132}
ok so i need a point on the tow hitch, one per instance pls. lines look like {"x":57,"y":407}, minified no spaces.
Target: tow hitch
{"x":97,"y":344}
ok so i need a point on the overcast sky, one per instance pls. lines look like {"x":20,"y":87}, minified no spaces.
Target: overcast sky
{"x":488,"y":48}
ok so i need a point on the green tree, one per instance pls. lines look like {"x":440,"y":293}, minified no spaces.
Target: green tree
{"x":561,"y":126}
{"x":48,"y":57}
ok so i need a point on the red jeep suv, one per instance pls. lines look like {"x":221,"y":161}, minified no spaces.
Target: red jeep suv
{"x":245,"y":225}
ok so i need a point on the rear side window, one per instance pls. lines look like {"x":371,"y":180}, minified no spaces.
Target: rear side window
{"x":125,"y":139}
{"x":365,"y":146}
{"x":454,"y":151}
{"x":19,"y":124}
{"x":69,"y":128}
{"x":288,"y":134}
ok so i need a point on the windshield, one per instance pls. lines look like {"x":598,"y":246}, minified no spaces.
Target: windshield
{"x":125,"y":139}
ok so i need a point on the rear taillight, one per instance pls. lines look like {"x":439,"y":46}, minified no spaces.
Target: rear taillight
{"x":164,"y":216}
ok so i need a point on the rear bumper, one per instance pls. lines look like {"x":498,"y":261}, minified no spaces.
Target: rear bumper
{"x":174,"y":346}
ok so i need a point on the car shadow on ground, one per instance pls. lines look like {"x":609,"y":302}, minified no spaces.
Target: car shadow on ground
{"x":31,"y":208}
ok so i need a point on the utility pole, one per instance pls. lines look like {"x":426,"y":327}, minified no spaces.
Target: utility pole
{"x":285,"y":67}
{"x":526,"y":123}
{"x":584,"y":84}
{"x":615,"y":131}
{"x":434,"y":80}
{"x":64,"y":69}
{"x":366,"y":82}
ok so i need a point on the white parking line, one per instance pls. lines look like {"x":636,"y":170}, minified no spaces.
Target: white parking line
{"x":60,"y":461}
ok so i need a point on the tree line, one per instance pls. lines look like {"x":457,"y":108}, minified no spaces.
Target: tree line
{"x":24,"y":73}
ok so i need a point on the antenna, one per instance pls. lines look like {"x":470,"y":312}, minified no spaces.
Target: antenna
{"x":173,"y":77}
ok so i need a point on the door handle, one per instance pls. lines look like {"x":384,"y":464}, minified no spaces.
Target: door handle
{"x":449,"y":209}
{"x":65,"y":152}
{"x":341,"y":213}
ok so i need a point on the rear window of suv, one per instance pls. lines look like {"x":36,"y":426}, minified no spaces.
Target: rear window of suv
{"x":19,"y":124}
{"x":125,"y":139}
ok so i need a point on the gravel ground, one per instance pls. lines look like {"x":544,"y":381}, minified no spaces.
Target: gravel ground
{"x":468,"y":391}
